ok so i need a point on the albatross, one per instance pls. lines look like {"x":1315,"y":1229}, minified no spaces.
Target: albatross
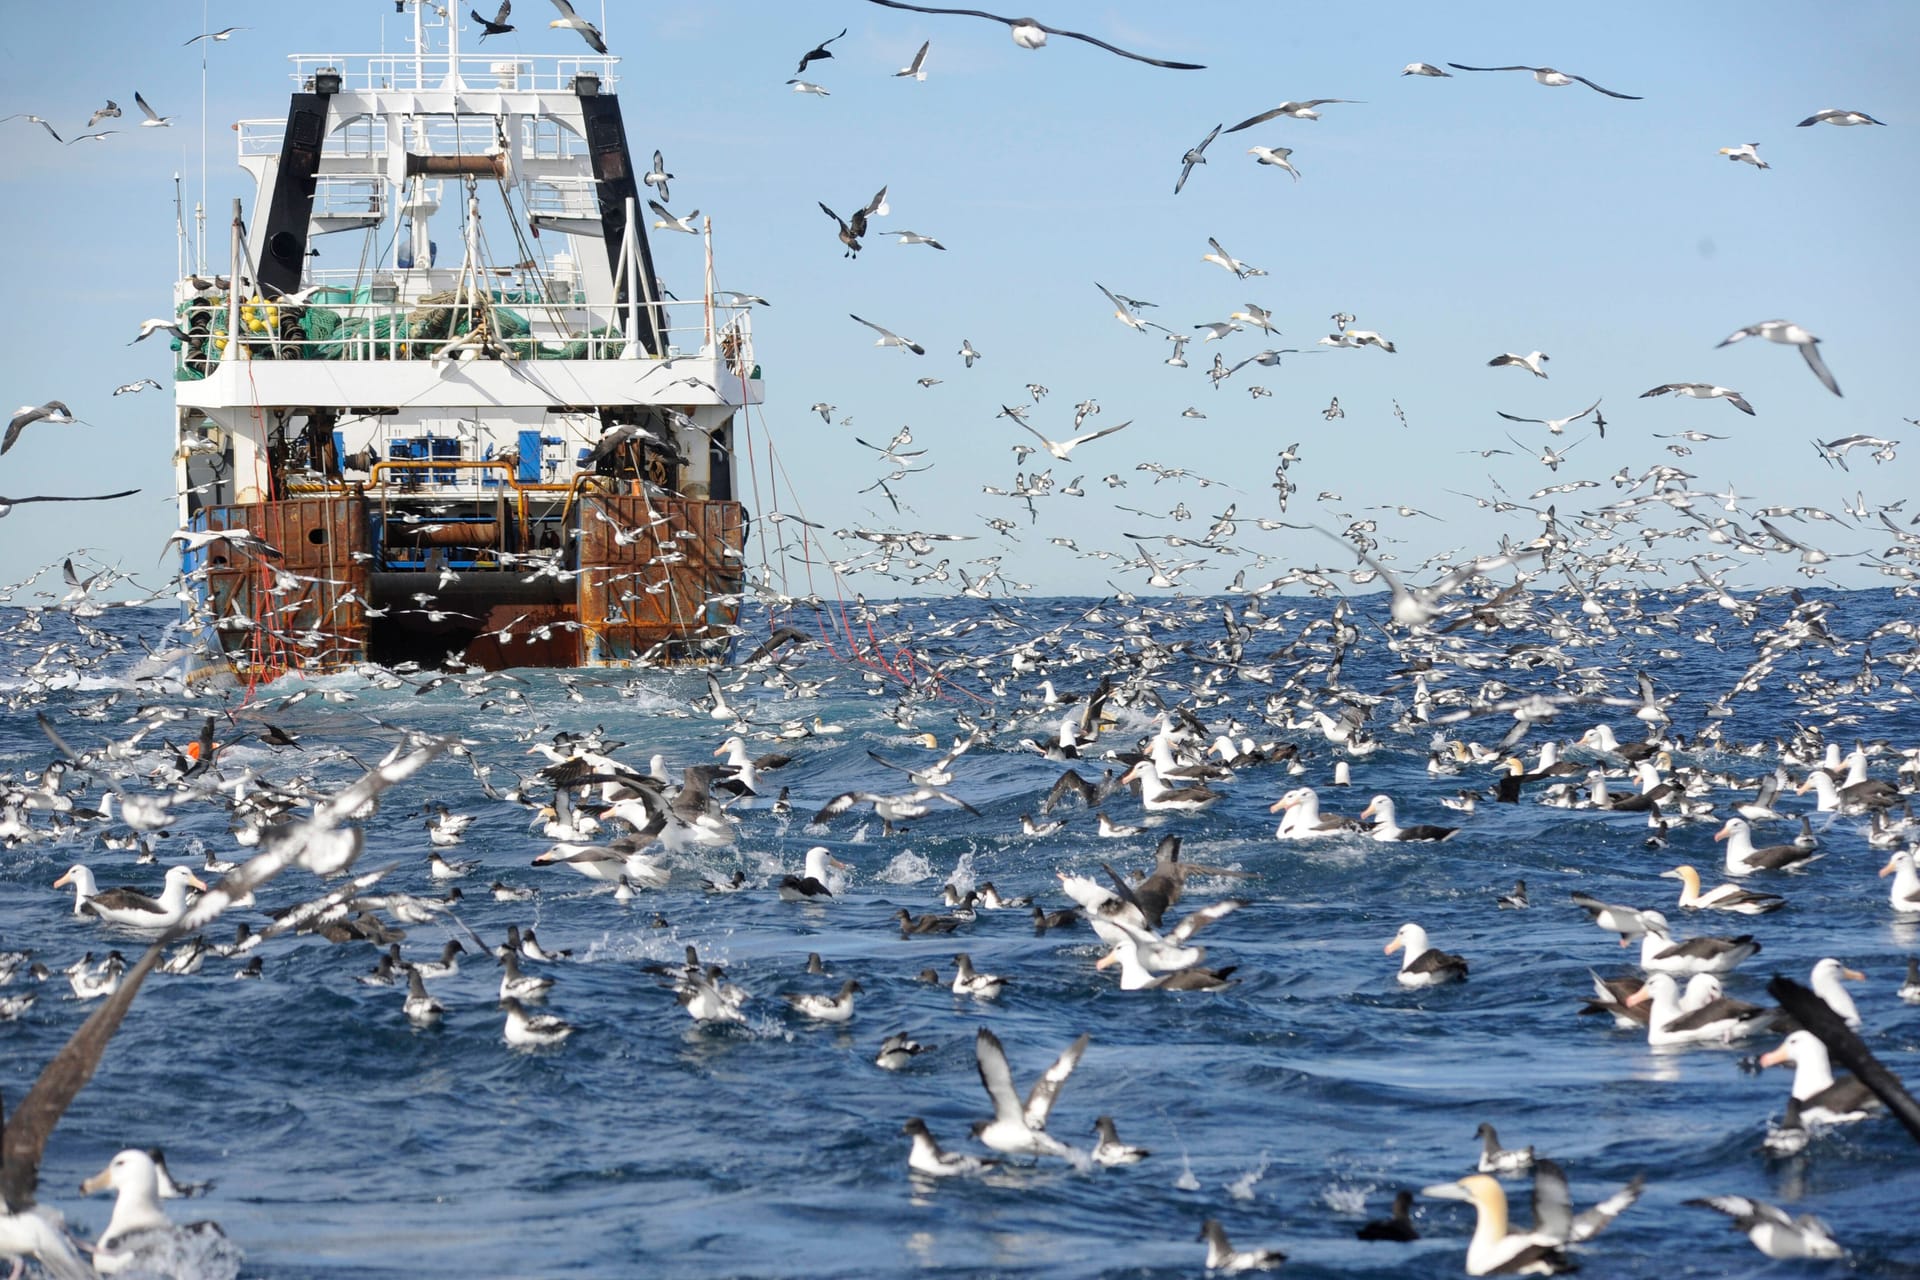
{"x":1424,"y":965}
{"x":1030,"y":33}
{"x":130,"y":907}
{"x":139,"y":1237}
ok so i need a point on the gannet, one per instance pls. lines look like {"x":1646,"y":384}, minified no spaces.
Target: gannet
{"x":1496,"y":1250}
{"x":574,"y":22}
{"x":1531,"y":362}
{"x":1726,"y":897}
{"x":1747,"y":151}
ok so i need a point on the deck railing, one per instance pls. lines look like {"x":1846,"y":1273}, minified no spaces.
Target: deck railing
{"x":361,"y":72}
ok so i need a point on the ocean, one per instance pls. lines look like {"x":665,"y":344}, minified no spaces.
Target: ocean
{"x":1290,"y":1107}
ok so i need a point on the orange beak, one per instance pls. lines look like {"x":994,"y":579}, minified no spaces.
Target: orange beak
{"x":1776,"y":1057}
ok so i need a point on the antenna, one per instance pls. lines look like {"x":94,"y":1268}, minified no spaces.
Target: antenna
{"x":201,"y":249}
{"x":179,"y":229}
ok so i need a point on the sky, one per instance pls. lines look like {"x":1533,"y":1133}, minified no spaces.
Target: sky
{"x":1459,"y":217}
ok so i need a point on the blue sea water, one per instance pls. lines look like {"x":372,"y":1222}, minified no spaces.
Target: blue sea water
{"x":1291,"y":1106}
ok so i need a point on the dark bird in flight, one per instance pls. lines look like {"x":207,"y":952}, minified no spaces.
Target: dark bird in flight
{"x":816,"y":53}
{"x":499,"y":26}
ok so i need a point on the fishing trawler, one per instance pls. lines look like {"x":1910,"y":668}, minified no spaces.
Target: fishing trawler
{"x":495,"y":438}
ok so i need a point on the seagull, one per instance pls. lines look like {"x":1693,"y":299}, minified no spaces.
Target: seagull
{"x":1836,"y":450}
{"x":1834,"y":115}
{"x":499,"y":25}
{"x":37,"y":120}
{"x":1194,"y":156}
{"x":52,"y":411}
{"x":1785,"y":331}
{"x":888,"y":338}
{"x":1531,"y":362}
{"x":1557,"y":426}
{"x":135,"y":388}
{"x":918,"y":67}
{"x":109,"y":112}
{"x":1702,"y":391}
{"x":222,"y":36}
{"x":802,"y":86}
{"x":154,"y":120}
{"x":658,"y":175}
{"x":1554,"y":79}
{"x":1275,"y":156}
{"x":668,"y":222}
{"x":1017,"y":1128}
{"x":1291,"y":110}
{"x":574,"y":22}
{"x":816,"y":53}
{"x":1748,"y":151}
{"x":1029,"y":33}
{"x":1424,"y":69}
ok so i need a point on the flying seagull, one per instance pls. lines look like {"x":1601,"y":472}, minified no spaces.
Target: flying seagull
{"x":1548,"y":76}
{"x":888,"y":338}
{"x":8,"y":504}
{"x":1785,"y":331}
{"x":1418,"y":606}
{"x":1194,"y":156}
{"x":574,"y":22}
{"x":802,"y":86}
{"x":918,"y":67}
{"x":816,"y":53}
{"x":222,"y":36}
{"x":1292,"y":110}
{"x":134,"y":388}
{"x":154,"y":120}
{"x":109,"y":112}
{"x":499,"y":26}
{"x":1702,"y":391}
{"x":52,"y":411}
{"x":1029,"y":33}
{"x":1424,"y":69}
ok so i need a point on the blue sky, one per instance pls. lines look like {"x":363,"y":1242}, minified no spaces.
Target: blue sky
{"x":1459,"y":217}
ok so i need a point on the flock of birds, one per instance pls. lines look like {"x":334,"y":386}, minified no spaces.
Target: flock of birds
{"x":1245,"y":700}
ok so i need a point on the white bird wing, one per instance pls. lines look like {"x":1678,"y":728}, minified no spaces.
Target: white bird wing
{"x":997,"y":1077}
{"x":566,"y":10}
{"x":1195,"y":921}
{"x":141,"y":102}
{"x":1047,"y":1087}
{"x":1093,"y":435}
